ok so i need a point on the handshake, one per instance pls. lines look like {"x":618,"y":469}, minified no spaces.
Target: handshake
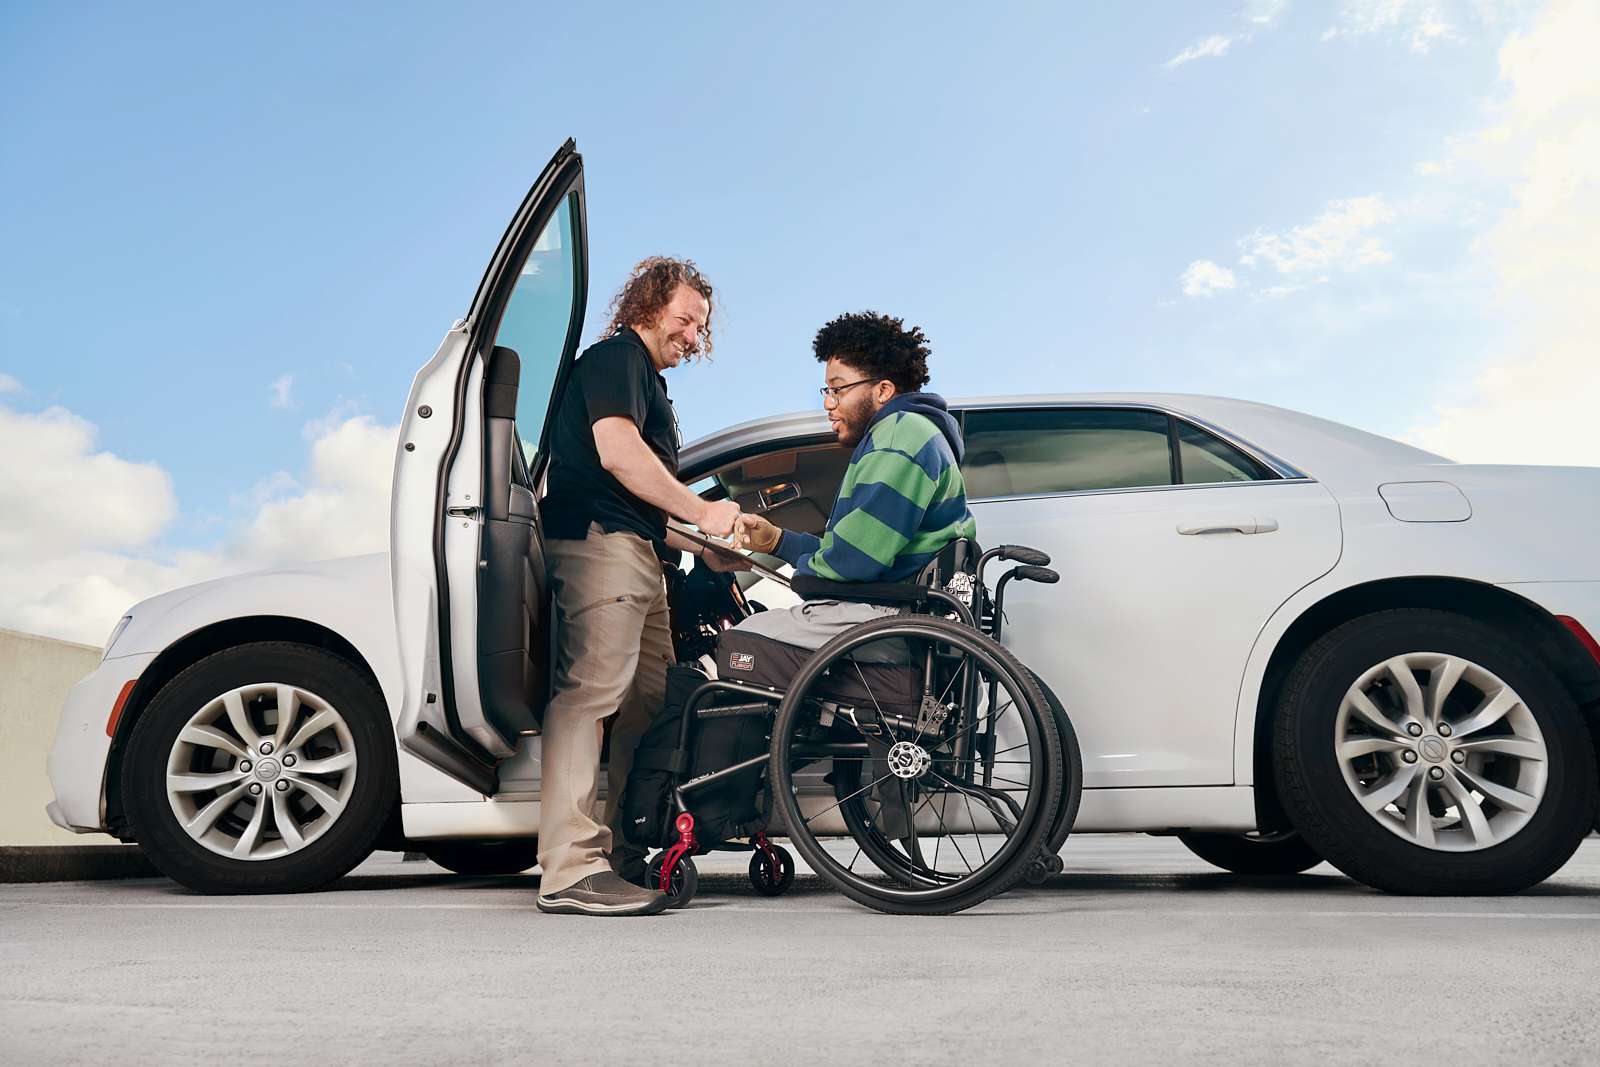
{"x":722,"y":518}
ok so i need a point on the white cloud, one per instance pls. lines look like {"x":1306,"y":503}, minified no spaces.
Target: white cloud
{"x":1215,"y":45}
{"x":81,"y":541}
{"x":1421,"y":24}
{"x":1205,"y":278}
{"x":1337,"y":238}
{"x":282,"y":391}
{"x":1536,"y":403}
{"x":1263,"y":12}
{"x":8,"y":384}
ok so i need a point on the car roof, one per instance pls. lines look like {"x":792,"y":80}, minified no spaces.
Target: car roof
{"x":1295,"y":442}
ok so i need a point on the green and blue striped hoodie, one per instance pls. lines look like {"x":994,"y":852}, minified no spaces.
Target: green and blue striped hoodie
{"x":901,"y":502}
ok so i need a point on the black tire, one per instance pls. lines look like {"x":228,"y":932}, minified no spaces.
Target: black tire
{"x":1324,"y":810}
{"x":484,"y":857}
{"x":907,"y":897}
{"x":1284,"y":852}
{"x":346,"y":842}
{"x":763,"y":879}
{"x":685,"y":879}
{"x":1071,"y":779}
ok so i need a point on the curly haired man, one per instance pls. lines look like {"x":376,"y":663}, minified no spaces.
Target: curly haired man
{"x":902,"y":499}
{"x":612,"y":482}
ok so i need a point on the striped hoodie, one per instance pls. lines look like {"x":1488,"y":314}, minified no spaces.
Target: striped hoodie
{"x":902,"y":499}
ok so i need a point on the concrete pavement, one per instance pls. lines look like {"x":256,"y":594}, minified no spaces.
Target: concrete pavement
{"x":1139,"y":953}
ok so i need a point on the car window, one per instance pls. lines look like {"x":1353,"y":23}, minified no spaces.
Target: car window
{"x":536,"y":318}
{"x":1065,"y":450}
{"x":1205,"y":459}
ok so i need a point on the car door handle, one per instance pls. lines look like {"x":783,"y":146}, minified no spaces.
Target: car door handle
{"x":1252,"y":525}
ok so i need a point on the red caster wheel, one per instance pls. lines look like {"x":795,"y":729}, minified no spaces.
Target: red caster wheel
{"x":768,"y":877}
{"x":685,"y":880}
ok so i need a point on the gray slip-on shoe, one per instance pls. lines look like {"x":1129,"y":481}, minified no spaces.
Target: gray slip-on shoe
{"x":603,"y":894}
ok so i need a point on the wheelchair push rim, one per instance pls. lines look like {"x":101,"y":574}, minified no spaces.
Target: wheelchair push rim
{"x":985,"y":780}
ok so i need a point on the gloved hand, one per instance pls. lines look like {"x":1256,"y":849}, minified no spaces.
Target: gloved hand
{"x":756,"y":534}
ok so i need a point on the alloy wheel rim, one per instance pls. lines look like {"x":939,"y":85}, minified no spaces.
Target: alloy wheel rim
{"x":261,"y":771}
{"x":1441,"y":751}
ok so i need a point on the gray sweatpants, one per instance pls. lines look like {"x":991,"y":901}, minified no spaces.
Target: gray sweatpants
{"x":814,"y":623}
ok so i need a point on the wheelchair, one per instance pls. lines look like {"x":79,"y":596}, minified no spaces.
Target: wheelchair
{"x":916,"y":765}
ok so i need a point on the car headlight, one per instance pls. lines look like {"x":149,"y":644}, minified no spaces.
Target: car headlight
{"x":111,"y":642}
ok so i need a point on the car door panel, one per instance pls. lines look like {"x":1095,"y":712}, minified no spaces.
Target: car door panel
{"x":471,"y":558}
{"x":1147,"y":635}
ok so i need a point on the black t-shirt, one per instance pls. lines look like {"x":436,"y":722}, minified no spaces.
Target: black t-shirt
{"x":612,"y":377}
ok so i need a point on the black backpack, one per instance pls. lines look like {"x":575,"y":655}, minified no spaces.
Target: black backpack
{"x":732,"y":808}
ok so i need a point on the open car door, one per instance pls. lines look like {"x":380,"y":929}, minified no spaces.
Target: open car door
{"x":471,"y":600}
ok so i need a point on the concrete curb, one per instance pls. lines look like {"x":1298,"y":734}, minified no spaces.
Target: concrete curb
{"x":72,"y":863}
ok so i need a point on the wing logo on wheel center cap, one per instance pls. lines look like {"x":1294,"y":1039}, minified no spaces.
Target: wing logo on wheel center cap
{"x":1433,"y":750}
{"x":266,"y":770}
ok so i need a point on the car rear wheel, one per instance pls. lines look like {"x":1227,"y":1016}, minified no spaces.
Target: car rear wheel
{"x":1280,"y":852}
{"x":484,"y":857}
{"x":1421,"y":751}
{"x":268,"y":767}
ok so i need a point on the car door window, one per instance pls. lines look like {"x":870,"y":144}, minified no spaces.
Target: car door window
{"x":1065,"y":450}
{"x":537,"y":317}
{"x":1205,"y":459}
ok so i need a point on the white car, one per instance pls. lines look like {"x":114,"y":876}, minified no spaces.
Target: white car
{"x":1280,"y":637}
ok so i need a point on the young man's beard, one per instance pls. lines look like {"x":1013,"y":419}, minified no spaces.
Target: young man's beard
{"x":853,"y":419}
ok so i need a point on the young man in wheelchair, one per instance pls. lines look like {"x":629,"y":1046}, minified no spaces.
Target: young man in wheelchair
{"x":902,"y":499}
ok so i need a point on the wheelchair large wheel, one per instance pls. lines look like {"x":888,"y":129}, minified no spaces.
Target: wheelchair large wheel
{"x":954,"y":789}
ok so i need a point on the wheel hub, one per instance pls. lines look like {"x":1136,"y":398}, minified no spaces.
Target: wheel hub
{"x":908,"y":760}
{"x":267,"y":770}
{"x":1433,"y":749}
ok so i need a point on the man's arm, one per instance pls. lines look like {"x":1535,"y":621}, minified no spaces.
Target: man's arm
{"x":629,"y":460}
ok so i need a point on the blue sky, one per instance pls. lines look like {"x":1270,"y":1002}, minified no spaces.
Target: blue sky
{"x":199,"y":204}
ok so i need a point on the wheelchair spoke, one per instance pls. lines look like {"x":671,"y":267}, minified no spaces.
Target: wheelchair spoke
{"x":836,"y":803}
{"x":975,"y":835}
{"x":938,"y":814}
{"x":882,"y":718}
{"x":992,"y":717}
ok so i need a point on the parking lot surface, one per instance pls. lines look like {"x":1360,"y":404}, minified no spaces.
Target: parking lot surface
{"x":1138,"y":953}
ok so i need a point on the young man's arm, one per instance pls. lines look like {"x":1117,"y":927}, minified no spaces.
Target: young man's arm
{"x":889,"y":497}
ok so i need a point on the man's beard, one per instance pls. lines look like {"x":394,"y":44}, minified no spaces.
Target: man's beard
{"x":853,"y":422}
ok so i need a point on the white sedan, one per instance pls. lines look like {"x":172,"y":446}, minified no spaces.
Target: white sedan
{"x":1279,"y":637}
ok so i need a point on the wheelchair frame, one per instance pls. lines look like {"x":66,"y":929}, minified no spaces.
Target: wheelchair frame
{"x":772,"y":868}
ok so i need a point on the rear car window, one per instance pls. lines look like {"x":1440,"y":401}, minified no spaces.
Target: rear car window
{"x":1066,"y":450}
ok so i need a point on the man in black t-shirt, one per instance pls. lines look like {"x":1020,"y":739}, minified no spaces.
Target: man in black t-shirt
{"x":612,"y":482}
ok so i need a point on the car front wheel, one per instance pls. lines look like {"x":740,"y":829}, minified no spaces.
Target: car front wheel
{"x":1421,"y":751}
{"x":267,"y":767}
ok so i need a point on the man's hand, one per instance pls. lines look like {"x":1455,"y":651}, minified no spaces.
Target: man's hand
{"x":756,"y":534}
{"x":718,"y":518}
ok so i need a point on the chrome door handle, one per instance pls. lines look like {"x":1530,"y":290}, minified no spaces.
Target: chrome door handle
{"x":1253,"y":525}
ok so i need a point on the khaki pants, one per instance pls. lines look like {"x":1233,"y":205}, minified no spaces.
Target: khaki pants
{"x":613,"y":647}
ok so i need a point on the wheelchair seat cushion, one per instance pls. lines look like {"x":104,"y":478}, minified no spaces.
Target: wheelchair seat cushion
{"x":761,"y":660}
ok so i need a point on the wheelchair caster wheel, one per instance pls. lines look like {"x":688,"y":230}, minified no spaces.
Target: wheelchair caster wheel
{"x":768,"y":880}
{"x":1042,"y":867}
{"x":685,"y":880}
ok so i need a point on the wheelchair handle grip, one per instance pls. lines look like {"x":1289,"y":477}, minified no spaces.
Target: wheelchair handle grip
{"x":1023,"y":554}
{"x":1037,"y":574}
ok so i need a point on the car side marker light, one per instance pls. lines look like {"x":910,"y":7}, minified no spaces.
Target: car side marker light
{"x":1582,"y":635}
{"x":122,"y":702}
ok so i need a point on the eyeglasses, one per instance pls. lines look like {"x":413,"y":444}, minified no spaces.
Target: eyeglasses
{"x":831,"y":392}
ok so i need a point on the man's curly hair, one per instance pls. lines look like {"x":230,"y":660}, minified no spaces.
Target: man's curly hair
{"x":649,"y":287}
{"x":880,"y":346}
